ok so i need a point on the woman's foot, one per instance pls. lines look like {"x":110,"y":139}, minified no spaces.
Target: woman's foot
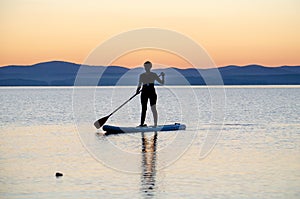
{"x":142,"y":125}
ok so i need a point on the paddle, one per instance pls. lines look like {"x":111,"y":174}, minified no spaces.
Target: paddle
{"x":102,"y":121}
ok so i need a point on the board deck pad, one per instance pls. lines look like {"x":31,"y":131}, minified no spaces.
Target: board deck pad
{"x":117,"y":129}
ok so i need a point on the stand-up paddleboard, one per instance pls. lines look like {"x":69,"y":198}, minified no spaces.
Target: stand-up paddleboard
{"x":117,"y":129}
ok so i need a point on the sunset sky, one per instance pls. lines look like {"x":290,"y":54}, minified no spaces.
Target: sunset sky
{"x":232,"y":32}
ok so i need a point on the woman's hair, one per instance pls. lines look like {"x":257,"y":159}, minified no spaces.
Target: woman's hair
{"x":148,"y":63}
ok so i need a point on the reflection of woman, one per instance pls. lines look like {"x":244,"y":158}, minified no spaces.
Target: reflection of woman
{"x":148,"y":163}
{"x":147,"y":79}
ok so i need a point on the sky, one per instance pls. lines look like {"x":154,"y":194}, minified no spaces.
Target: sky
{"x":238,"y":32}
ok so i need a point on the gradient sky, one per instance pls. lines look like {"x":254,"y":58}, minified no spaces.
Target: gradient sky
{"x":232,"y":32}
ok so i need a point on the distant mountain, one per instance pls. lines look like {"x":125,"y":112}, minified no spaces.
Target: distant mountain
{"x":260,"y":75}
{"x":59,"y":73}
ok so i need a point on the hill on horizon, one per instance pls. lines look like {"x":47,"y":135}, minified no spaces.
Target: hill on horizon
{"x":60,"y":73}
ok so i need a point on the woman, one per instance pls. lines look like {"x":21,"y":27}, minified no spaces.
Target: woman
{"x":148,"y":91}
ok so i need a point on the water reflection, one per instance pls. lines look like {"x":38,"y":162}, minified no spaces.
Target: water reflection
{"x":148,"y":165}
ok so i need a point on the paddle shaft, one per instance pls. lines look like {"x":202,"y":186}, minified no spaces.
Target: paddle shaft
{"x":124,"y":104}
{"x":102,"y":121}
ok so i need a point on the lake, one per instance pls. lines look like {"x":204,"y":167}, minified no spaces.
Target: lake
{"x":240,"y":142}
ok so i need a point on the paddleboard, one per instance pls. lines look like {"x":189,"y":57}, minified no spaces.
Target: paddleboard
{"x":117,"y":129}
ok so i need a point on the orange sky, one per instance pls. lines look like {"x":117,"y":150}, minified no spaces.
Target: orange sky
{"x":232,"y":32}
{"x":163,"y":58}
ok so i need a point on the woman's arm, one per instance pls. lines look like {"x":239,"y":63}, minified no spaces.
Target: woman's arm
{"x":162,"y":80}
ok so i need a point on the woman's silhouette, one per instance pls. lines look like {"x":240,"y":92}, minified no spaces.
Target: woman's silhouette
{"x":147,"y":80}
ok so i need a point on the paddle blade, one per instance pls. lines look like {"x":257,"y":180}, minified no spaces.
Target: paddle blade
{"x":100,"y":122}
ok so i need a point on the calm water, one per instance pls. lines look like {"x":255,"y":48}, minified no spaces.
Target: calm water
{"x":257,"y":154}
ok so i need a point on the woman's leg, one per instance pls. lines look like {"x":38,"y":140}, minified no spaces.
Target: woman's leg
{"x":153,"y":100}
{"x":144,"y":101}
{"x":155,"y":115}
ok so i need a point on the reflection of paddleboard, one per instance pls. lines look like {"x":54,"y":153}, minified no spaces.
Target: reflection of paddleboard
{"x":117,"y":129}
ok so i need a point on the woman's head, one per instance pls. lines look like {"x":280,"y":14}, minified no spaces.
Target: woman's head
{"x":147,"y":66}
